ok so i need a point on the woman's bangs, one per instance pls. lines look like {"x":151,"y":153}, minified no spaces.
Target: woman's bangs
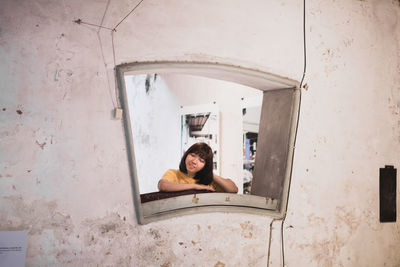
{"x":203,"y":151}
{"x":200,"y":153}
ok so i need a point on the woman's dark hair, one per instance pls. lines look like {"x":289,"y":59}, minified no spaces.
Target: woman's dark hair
{"x":204,"y":176}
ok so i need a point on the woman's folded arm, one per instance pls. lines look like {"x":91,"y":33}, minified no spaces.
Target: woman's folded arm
{"x":168,"y":186}
{"x":227,"y":184}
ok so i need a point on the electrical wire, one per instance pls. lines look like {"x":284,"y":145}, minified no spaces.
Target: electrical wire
{"x":104,"y":15}
{"x":79,"y":21}
{"x":291,"y":170}
{"x":102,"y":54}
{"x":115,"y":80}
{"x":113,"y":48}
{"x":105,"y":69}
{"x":304,"y":43}
{"x":297,"y":126}
{"x":282,"y":243}
{"x":133,"y":9}
{"x":270,"y":240}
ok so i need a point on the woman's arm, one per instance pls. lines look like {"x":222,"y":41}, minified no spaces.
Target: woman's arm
{"x":227,"y":184}
{"x":166,"y":186}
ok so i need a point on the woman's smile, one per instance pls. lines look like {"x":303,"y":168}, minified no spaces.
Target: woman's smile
{"x":194,"y":163}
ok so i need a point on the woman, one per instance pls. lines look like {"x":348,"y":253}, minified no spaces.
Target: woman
{"x":196,"y":172}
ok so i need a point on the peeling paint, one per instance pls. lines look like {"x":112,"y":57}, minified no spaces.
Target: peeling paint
{"x":154,"y":233}
{"x":108,"y":227}
{"x":34,"y":217}
{"x":40,"y":145}
{"x":247,"y":229}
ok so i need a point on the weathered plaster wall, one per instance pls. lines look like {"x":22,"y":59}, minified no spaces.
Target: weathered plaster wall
{"x":64,"y":172}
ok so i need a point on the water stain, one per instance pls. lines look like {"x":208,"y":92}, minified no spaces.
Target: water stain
{"x":35,"y":217}
{"x":105,"y":228}
{"x":247,"y":229}
{"x":110,"y":227}
{"x":348,"y":42}
{"x":219,"y":264}
{"x":326,"y":251}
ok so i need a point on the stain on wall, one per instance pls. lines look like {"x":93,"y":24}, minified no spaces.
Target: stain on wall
{"x":64,"y":175}
{"x":35,"y":216}
{"x":326,"y":250}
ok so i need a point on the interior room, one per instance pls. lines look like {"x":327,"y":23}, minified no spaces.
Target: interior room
{"x":180,"y":95}
{"x":299,"y":101}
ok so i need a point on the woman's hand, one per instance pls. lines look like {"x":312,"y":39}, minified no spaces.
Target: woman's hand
{"x":227,"y":184}
{"x":167,"y":186}
{"x":203,"y":187}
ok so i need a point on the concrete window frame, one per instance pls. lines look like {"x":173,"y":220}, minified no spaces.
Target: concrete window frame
{"x":272,"y":201}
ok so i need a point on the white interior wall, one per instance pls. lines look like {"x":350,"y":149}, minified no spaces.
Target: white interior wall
{"x":63,"y":165}
{"x":251,"y":120}
{"x":155,"y":123}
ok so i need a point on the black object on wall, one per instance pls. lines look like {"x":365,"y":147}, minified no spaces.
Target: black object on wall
{"x":387,"y":194}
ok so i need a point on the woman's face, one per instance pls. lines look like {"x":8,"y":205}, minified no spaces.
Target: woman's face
{"x":194,"y":163}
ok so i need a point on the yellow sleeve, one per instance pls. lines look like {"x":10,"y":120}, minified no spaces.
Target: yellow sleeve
{"x":170,"y":175}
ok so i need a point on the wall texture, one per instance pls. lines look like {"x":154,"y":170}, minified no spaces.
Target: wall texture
{"x":154,"y":112}
{"x":63,"y":167}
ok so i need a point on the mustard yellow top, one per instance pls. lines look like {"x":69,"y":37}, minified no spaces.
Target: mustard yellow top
{"x":179,"y":177}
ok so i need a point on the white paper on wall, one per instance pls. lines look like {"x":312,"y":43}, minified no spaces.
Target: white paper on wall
{"x":13,"y":248}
